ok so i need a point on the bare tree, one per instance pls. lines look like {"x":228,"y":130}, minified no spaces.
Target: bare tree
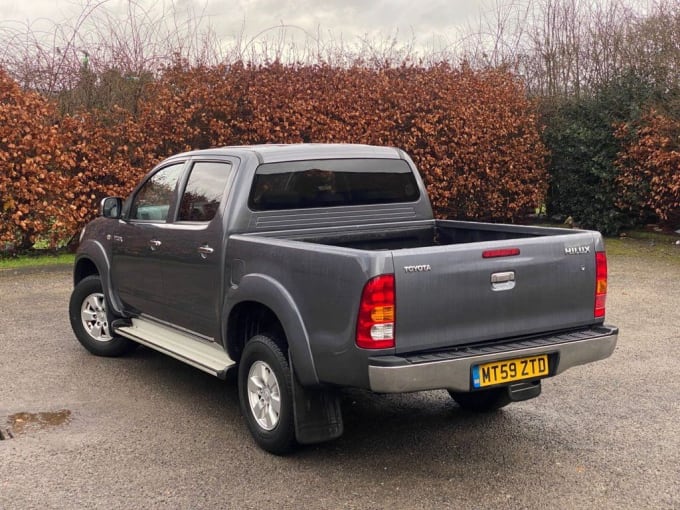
{"x":563,"y":47}
{"x":50,"y":56}
{"x":560,"y":47}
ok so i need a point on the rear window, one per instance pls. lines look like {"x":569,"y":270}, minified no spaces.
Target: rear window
{"x":328,"y":183}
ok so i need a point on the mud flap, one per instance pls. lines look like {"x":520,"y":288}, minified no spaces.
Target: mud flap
{"x":318,"y":416}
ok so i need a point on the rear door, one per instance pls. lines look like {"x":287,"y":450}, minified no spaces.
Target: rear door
{"x":191,"y":256}
{"x":461,"y":294}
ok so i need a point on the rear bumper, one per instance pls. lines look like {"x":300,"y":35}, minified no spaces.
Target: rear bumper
{"x":452,"y":370}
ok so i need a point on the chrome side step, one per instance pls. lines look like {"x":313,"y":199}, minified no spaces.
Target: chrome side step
{"x":183,"y":346}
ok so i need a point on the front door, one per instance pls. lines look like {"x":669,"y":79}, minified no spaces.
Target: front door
{"x":137,"y":242}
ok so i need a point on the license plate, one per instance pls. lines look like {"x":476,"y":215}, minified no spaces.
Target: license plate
{"x":509,"y":370}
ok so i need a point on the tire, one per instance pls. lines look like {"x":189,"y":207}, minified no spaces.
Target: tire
{"x":484,"y":401}
{"x":91,"y":321}
{"x":266,"y":396}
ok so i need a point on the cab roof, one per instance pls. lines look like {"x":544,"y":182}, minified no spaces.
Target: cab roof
{"x":274,"y":153}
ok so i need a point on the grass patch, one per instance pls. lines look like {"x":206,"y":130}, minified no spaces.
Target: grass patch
{"x":24,"y":261}
{"x":645,"y":244}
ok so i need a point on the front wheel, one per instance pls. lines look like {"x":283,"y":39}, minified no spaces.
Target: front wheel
{"x":483,"y":401}
{"x":266,"y":396}
{"x":91,"y":321}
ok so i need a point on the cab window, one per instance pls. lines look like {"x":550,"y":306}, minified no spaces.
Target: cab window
{"x":330,"y":183}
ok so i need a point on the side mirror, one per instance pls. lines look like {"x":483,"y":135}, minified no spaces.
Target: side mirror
{"x":112,"y":207}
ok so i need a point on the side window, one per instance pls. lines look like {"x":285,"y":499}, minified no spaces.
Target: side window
{"x":153,"y":199}
{"x":204,"y":190}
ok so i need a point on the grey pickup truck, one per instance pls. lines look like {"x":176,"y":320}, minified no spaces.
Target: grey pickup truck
{"x":311,"y":268}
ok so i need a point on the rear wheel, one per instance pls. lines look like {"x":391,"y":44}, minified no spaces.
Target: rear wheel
{"x":265,"y":395}
{"x":483,"y":401}
{"x":91,"y":321}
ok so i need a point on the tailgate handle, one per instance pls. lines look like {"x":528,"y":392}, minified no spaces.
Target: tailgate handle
{"x":503,"y":281}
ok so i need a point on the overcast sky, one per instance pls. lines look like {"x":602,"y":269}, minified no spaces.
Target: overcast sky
{"x":430,"y":22}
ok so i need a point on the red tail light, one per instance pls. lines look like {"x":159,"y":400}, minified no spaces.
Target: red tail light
{"x":503,"y":252}
{"x":600,"y":283}
{"x":375,"y":325}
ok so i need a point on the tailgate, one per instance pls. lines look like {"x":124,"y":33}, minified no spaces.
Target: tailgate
{"x":451,"y":295}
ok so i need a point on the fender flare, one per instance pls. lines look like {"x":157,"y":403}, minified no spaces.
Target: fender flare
{"x":95,"y":252}
{"x":265,"y":290}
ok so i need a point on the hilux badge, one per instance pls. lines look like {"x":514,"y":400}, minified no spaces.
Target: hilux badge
{"x":576,"y":250}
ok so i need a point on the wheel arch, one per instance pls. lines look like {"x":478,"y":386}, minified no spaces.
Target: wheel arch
{"x":260,"y":304}
{"x":84,"y":267}
{"x":250,"y":318}
{"x":92,"y":259}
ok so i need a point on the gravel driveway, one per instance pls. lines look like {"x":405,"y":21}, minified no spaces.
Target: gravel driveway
{"x":146,"y":431}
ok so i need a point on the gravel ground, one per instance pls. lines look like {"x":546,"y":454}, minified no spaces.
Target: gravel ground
{"x":146,"y":431}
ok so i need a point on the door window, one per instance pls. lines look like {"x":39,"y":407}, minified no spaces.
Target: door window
{"x":204,"y":190}
{"x":152,"y":201}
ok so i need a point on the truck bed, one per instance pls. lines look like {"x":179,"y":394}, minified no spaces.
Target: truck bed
{"x":457,"y":283}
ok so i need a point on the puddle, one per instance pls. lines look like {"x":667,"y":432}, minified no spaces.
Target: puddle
{"x":21,"y":423}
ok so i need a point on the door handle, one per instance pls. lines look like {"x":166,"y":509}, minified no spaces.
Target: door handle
{"x":154,"y":243}
{"x":503,"y":281}
{"x":205,"y":250}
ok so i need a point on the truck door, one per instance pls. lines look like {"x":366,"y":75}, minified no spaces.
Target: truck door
{"x":192,"y":253}
{"x":136,"y":242}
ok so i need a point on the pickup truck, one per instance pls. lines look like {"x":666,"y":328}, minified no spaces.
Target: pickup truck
{"x":315,"y":267}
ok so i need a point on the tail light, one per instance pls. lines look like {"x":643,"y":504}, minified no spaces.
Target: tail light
{"x":600,"y":283}
{"x":375,"y":325}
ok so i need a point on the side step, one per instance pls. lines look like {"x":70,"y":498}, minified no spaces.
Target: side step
{"x":181,"y":345}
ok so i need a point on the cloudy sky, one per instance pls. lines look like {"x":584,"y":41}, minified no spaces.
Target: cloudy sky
{"x":427,"y":22}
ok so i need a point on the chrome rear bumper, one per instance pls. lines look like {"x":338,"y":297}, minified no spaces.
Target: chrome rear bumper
{"x":452,"y":370}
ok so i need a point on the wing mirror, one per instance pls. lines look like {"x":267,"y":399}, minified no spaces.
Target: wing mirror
{"x":112,"y":207}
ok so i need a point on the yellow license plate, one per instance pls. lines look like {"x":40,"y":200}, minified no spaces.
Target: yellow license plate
{"x":509,"y":370}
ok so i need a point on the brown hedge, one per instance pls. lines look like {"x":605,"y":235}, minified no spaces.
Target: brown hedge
{"x":649,"y":167}
{"x":473,"y":134}
{"x":32,"y":166}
